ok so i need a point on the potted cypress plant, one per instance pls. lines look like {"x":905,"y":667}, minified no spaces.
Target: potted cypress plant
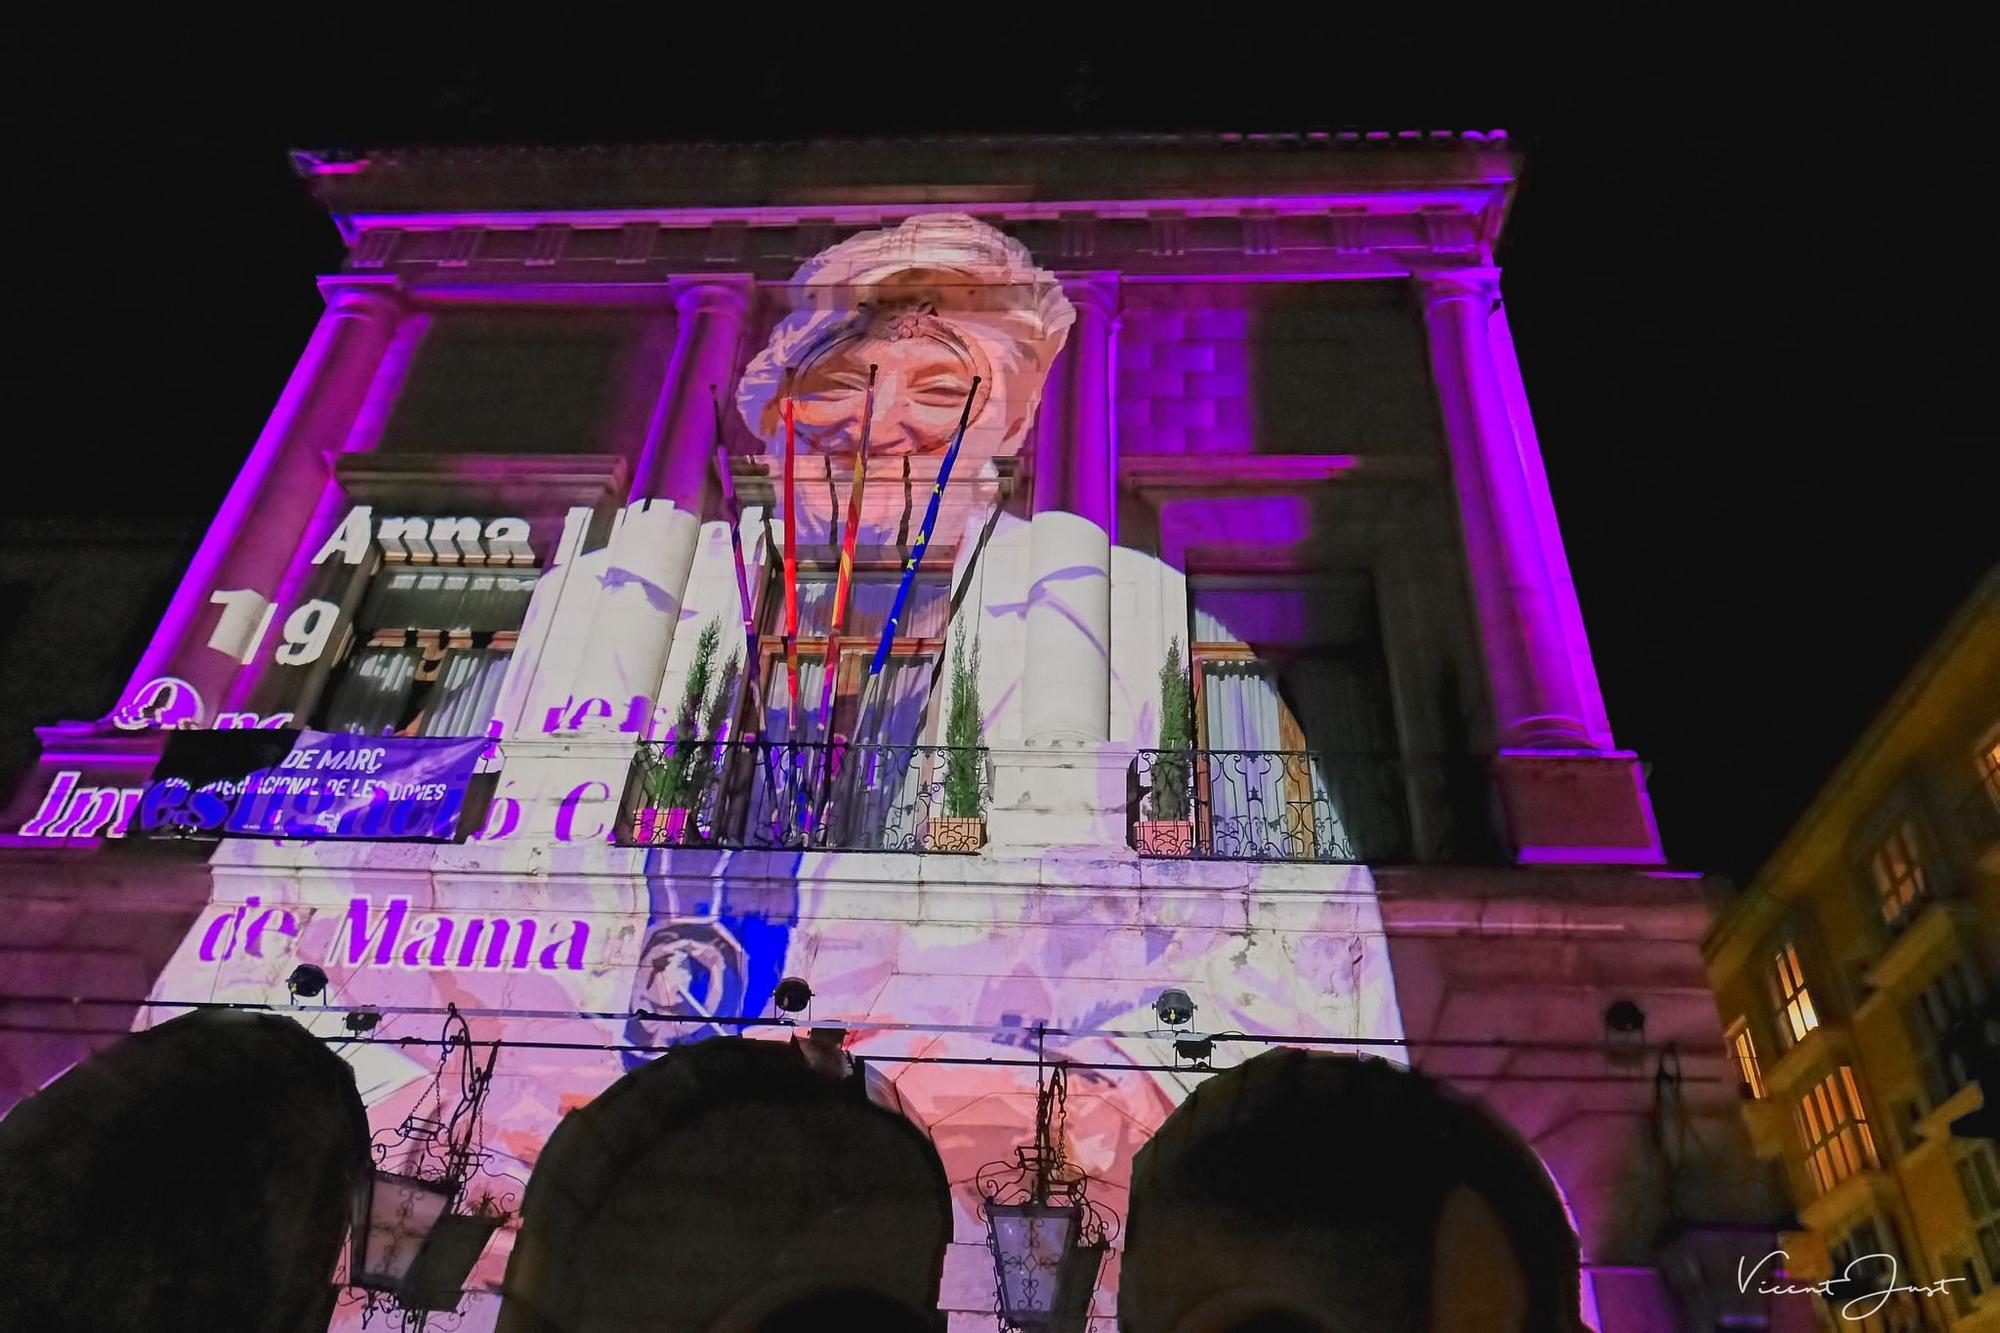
{"x":673,"y":787}
{"x":962,"y":827}
{"x":1165,"y":828}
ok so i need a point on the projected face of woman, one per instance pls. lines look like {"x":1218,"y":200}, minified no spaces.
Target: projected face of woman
{"x":923,"y":372}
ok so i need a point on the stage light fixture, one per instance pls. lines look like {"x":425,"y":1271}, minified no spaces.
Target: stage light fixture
{"x":792,"y":995}
{"x":1174,"y":1008}
{"x":306,"y":981}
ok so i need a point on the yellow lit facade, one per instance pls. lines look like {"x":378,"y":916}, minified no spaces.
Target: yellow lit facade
{"x":1872,"y":930}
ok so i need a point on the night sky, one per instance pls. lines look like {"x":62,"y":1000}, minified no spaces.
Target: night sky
{"x":1751,"y":284}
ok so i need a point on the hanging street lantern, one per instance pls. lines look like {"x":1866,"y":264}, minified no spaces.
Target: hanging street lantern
{"x":1047,"y":1238}
{"x":407,"y":1246}
{"x":407,"y":1243}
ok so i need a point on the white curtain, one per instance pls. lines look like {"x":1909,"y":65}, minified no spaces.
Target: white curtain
{"x":374,"y":693}
{"x":467,"y":690}
{"x":1255,"y":809}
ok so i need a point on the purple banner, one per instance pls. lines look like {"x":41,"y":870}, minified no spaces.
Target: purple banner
{"x":338,"y":785}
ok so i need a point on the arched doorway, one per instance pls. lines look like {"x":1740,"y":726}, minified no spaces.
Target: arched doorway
{"x":1319,"y":1193}
{"x":731,"y":1187}
{"x":194,"y":1175}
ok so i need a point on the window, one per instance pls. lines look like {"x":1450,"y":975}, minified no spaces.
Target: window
{"x":1865,"y":1261}
{"x":1834,"y":1129}
{"x":1988,"y":760}
{"x":874,"y":794}
{"x":1292,"y":706}
{"x":1950,"y":997}
{"x":1898,"y":871}
{"x":1796,"y":1015}
{"x":432,"y":646}
{"x":1745,"y":1051}
{"x":1966,"y":1290}
{"x":898,"y":713}
{"x":1979,"y":1178}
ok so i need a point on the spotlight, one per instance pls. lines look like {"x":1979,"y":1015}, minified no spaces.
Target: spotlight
{"x":362,"y":1020}
{"x":1174,"y":1008}
{"x":1624,"y":1034}
{"x":792,"y":995}
{"x":306,"y":981}
{"x":1196,"y":1049}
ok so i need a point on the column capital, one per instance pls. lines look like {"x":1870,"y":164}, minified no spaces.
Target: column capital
{"x":380,"y":298}
{"x":1473,"y":283}
{"x":712,"y":294}
{"x":1095,"y":291}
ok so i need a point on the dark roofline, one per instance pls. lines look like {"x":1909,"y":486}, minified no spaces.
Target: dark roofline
{"x":924,"y":169}
{"x":308,"y":161}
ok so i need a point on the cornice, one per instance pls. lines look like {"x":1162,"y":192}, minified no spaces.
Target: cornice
{"x":1153,"y":240}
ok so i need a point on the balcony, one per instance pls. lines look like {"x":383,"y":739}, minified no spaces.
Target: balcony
{"x":1269,"y":805}
{"x":806,"y":796}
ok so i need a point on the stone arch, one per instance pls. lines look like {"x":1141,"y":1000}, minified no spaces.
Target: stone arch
{"x":1310,"y":1191}
{"x":730,"y":1187}
{"x":195,"y":1175}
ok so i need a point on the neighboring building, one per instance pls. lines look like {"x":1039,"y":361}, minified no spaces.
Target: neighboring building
{"x":55,"y":663}
{"x":1871,"y":933}
{"x":509,"y":680}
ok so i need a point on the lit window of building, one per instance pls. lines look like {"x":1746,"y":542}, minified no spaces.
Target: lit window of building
{"x":1744,"y":1048}
{"x":429,"y":652}
{"x":1834,"y":1129}
{"x":1949,"y":997}
{"x":1979,"y":1178}
{"x":1796,"y":1015}
{"x":1898,"y":870}
{"x":1989,"y":765}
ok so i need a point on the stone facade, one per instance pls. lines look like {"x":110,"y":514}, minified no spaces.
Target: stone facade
{"x":1284,"y":434}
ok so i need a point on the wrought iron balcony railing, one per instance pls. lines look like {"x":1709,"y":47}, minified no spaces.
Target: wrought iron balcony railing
{"x":1270,"y":805}
{"x":779,"y":794}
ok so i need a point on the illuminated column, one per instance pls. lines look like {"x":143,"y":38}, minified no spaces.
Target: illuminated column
{"x":645,"y":579}
{"x":1511,"y":545}
{"x":1066,"y":686}
{"x":680,"y":439}
{"x":272,"y":500}
{"x":639,"y":600}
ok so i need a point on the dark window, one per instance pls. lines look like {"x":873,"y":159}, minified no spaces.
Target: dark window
{"x":506,"y":385}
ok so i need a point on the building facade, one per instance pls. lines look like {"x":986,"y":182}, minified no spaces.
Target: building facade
{"x":1845,"y":969}
{"x":941,"y":597}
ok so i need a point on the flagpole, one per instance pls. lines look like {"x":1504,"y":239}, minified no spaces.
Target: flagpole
{"x":843,"y":584}
{"x":913,"y":563}
{"x":788,"y":517}
{"x":750,"y":682}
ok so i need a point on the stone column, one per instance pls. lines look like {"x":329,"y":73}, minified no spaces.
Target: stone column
{"x":1567,"y":795}
{"x":1066,"y":686}
{"x":638,"y":604}
{"x":253,"y":536}
{"x":620,"y":605}
{"x":641,"y":588}
{"x":1511,"y":546}
{"x":674,"y":464}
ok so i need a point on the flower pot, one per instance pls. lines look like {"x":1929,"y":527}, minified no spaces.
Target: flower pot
{"x":1165,"y":837}
{"x":954,"y":833}
{"x":657,"y":827}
